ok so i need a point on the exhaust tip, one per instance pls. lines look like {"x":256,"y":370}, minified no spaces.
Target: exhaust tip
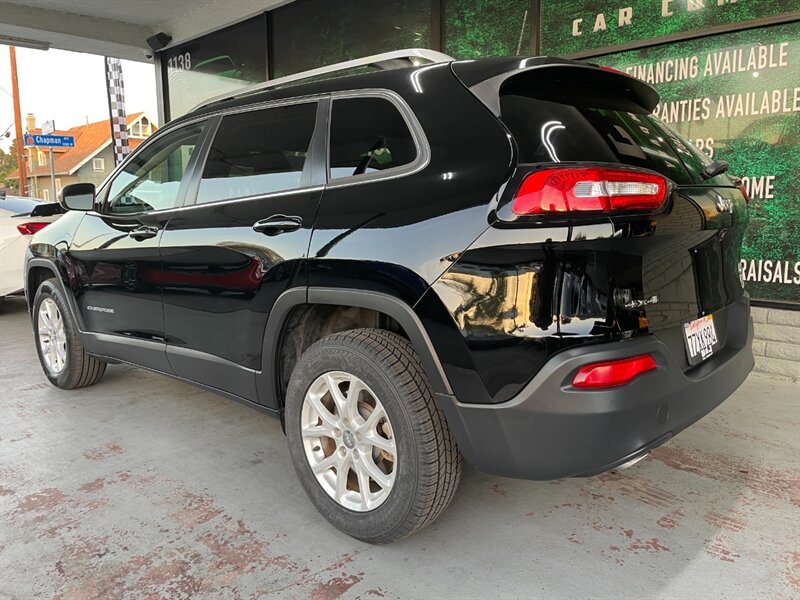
{"x":628,"y":464}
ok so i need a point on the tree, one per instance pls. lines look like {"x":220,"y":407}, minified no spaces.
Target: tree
{"x":8,"y":163}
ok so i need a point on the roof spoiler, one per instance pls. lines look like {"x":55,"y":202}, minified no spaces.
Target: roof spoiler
{"x":557,"y":80}
{"x":47,"y":209}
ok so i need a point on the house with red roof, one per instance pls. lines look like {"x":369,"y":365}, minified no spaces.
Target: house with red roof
{"x":89,"y":161}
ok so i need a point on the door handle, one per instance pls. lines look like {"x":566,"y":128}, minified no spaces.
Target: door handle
{"x":145,"y":232}
{"x":278,"y":224}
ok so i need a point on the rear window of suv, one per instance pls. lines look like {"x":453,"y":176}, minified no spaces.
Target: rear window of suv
{"x":554,"y":132}
{"x":18,"y":205}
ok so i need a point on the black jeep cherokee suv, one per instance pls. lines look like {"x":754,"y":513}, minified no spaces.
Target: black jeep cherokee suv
{"x":504,"y":259}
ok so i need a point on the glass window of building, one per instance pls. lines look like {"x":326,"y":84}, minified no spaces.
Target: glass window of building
{"x":313,"y":33}
{"x":222,"y":61}
{"x":487,"y":28}
{"x":258,"y":152}
{"x":735,"y":96}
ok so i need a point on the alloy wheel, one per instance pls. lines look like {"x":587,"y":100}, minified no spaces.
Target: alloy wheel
{"x":348,"y":440}
{"x":52,"y":336}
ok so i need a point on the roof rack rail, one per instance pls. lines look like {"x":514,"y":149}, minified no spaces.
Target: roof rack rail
{"x":396,"y":59}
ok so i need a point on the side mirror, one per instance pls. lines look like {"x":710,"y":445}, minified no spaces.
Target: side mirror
{"x":78,"y":196}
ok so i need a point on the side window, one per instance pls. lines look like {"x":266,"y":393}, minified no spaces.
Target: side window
{"x":151,"y":178}
{"x":258,"y":152}
{"x":368,"y":135}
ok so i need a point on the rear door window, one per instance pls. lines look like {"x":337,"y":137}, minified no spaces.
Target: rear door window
{"x":258,"y":152}
{"x":554,"y":132}
{"x":368,"y":135}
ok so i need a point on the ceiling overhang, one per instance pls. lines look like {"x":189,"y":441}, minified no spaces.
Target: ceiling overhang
{"x":117,"y":28}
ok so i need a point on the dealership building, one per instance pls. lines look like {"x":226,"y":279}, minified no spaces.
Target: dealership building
{"x":143,"y":486}
{"x":726,"y":71}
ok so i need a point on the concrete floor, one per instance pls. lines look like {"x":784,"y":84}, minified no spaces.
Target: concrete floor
{"x":148,"y":488}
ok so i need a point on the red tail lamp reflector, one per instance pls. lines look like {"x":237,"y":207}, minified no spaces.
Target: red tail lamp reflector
{"x":588,"y":189}
{"x":612,"y":70}
{"x":613,"y":373}
{"x":31,"y":228}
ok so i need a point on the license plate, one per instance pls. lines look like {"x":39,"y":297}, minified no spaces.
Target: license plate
{"x":700,"y":339}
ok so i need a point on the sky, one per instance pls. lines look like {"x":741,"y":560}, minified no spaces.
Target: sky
{"x":68,"y":87}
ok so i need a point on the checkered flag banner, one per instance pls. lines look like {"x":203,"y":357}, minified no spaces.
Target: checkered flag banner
{"x":116,"y":108}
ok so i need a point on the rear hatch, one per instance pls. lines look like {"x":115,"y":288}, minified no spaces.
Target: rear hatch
{"x":667,"y":266}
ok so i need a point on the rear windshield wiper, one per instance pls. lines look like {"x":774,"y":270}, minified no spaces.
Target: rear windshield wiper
{"x":718,"y":167}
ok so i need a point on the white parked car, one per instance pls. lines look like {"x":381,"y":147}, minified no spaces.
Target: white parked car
{"x":20,"y":218}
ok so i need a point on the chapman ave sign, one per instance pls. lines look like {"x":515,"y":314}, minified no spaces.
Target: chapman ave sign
{"x":50,"y":141}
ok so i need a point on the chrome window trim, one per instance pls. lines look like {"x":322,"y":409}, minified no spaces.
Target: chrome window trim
{"x":165,"y":129}
{"x":178,"y":209}
{"x":267,"y":196}
{"x":209,"y":117}
{"x":266,"y":105}
{"x":414,"y":127}
{"x":263,"y":104}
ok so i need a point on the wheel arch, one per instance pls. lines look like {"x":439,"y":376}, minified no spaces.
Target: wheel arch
{"x":34,"y":277}
{"x":269,"y":384}
{"x":38,"y":270}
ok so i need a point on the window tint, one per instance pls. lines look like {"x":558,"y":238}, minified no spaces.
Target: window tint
{"x":151,"y":178}
{"x":368,"y":135}
{"x":258,"y":152}
{"x":553,"y":132}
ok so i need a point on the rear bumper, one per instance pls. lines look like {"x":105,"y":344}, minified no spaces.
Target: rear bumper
{"x":551,"y":430}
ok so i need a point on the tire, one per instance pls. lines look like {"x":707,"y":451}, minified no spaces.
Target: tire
{"x":425,"y":468}
{"x":74,"y":368}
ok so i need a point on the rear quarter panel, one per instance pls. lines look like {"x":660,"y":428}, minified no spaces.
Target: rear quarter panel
{"x":520,"y":295}
{"x":513,"y":299}
{"x":51,"y":246}
{"x":398,"y":235}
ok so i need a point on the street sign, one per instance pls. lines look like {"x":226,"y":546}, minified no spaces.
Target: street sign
{"x":52,"y":141}
{"x":48,"y":127}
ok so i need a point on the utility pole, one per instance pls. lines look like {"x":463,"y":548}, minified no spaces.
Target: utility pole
{"x":23,"y":175}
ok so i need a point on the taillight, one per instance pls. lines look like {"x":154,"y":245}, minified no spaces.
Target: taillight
{"x":612,"y":70}
{"x":31,"y":228}
{"x":613,"y":373}
{"x":589,"y":189}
